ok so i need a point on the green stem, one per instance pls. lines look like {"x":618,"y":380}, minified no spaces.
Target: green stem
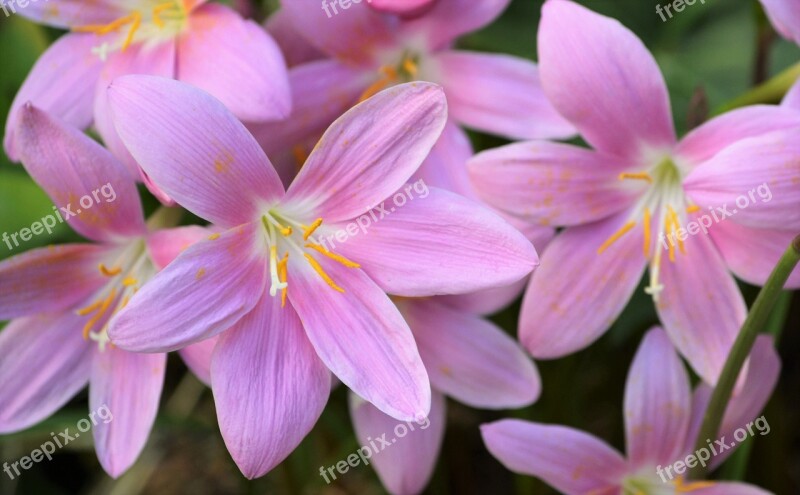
{"x":771,"y":91}
{"x":755,"y":321}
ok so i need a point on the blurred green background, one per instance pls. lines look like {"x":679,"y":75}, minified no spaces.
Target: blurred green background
{"x":710,"y":54}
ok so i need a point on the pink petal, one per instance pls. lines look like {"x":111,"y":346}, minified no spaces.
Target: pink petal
{"x":657,"y":403}
{"x":498,"y":94}
{"x":198,"y":358}
{"x":470,"y":358}
{"x":717,"y":134}
{"x":293,"y":46}
{"x":445,"y":166}
{"x":208,"y":288}
{"x":731,"y":488}
{"x":449,"y":19}
{"x":486,"y":302}
{"x":601,"y":77}
{"x":701,"y":306}
{"x":248,"y":74}
{"x":406,"y":465}
{"x":378,"y":360}
{"x":194,"y":148}
{"x":68,"y":13}
{"x":51,"y":279}
{"x":62,"y":83}
{"x":752,"y":253}
{"x":551,"y":183}
{"x":577,"y":294}
{"x":81,"y":176}
{"x":571,"y":461}
{"x":45,"y":363}
{"x":785,"y":16}
{"x":370,"y":152}
{"x":269,"y":386}
{"x":127,"y":385}
{"x":403,"y":252}
{"x":403,"y":7}
{"x":165,"y":245}
{"x":766,"y":196}
{"x":792,"y":98}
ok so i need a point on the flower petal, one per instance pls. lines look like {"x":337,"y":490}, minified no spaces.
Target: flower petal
{"x":470,"y":358}
{"x":449,"y":19}
{"x":164,"y":245}
{"x":128,"y":385}
{"x":701,"y":306}
{"x":45,"y":363}
{"x":731,"y":488}
{"x":379,"y":359}
{"x":194,"y":149}
{"x":198,"y":358}
{"x":50,"y":279}
{"x":571,"y":461}
{"x":60,"y":83}
{"x":445,"y":166}
{"x":402,"y":7}
{"x":69,"y":13}
{"x":294,"y":47}
{"x":248,"y":74}
{"x":576,"y":293}
{"x":486,"y":302}
{"x":785,"y":16}
{"x":551,"y":183}
{"x":406,"y":465}
{"x":403,"y":252}
{"x":208,"y":288}
{"x":601,"y":77}
{"x":499,"y":94}
{"x":657,"y":403}
{"x":269,"y":386}
{"x":97,"y":195}
{"x":370,"y":152}
{"x":792,"y":98}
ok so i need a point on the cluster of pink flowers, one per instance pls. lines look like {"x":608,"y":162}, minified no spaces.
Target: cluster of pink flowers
{"x":282,"y":136}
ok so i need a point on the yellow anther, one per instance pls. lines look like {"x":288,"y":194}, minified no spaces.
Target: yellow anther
{"x":213,"y":237}
{"x":682,"y":487}
{"x":282,"y":274}
{"x":137,"y":21}
{"x":110,"y":272}
{"x":676,"y":224}
{"x":389,"y":76}
{"x":89,"y":309}
{"x":307,"y":231}
{"x":611,"y":240}
{"x":638,"y":176}
{"x":337,"y":257}
{"x":158,"y":9}
{"x":693,"y":209}
{"x":129,"y":281}
{"x":647,"y":232}
{"x":104,"y":28}
{"x":102,"y":310}
{"x":318,"y":268}
{"x":410,"y":67}
{"x":670,"y":236}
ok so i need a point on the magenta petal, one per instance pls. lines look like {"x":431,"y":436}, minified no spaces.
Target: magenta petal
{"x":470,"y":358}
{"x":294,"y":47}
{"x":69,"y":13}
{"x":248,"y":74}
{"x":194,"y":149}
{"x":486,"y":302}
{"x":62,"y":83}
{"x":445,"y":166}
{"x":730,"y":488}
{"x":403,"y":7}
{"x":269,"y":386}
{"x":406,"y":465}
{"x":50,"y":279}
{"x":45,"y":363}
{"x":97,"y":196}
{"x":378,"y":360}
{"x":165,"y":245}
{"x":370,"y":152}
{"x":571,"y":461}
{"x":701,"y":306}
{"x":128,"y":386}
{"x":576,"y":293}
{"x":601,"y":77}
{"x":449,"y":19}
{"x":785,"y":16}
{"x":198,"y":358}
{"x":792,"y":98}
{"x":499,"y":94}
{"x":208,"y":288}
{"x":657,"y":403}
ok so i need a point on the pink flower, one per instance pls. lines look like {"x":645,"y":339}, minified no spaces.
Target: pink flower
{"x":785,"y":16}
{"x":662,"y":420}
{"x":621,"y":201}
{"x":174,"y":38}
{"x":467,"y":358}
{"x":409,"y":8}
{"x":270,"y":281}
{"x":61,"y":298}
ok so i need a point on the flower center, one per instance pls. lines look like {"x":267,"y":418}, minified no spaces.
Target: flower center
{"x":646,"y":485}
{"x":285,"y":234}
{"x":389,"y":75}
{"x":161,"y":20}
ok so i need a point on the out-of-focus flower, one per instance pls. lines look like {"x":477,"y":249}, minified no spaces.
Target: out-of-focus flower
{"x":628,"y":203}
{"x":467,"y":358}
{"x":207,"y":45}
{"x":61,"y":298}
{"x":325,"y":304}
{"x":408,"y":8}
{"x":661,"y":421}
{"x":785,"y":16}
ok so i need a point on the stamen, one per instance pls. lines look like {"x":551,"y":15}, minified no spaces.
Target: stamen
{"x":682,"y":487}
{"x":137,"y":21}
{"x":89,"y":309}
{"x":103,"y":308}
{"x":113,"y":272}
{"x":337,"y":257}
{"x":161,"y":8}
{"x":273,"y":271}
{"x":410,"y":67}
{"x":213,"y":237}
{"x":647,"y":232}
{"x":676,"y":224}
{"x":318,"y":268}
{"x":282,"y":274}
{"x":611,"y":240}
{"x":104,"y":28}
{"x":307,"y":231}
{"x":693,"y":209}
{"x":670,"y":236}
{"x":638,"y":176}
{"x":390,"y":76}
{"x":129,"y":281}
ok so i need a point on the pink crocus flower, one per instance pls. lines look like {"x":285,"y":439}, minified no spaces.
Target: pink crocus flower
{"x":785,"y":16}
{"x":662,"y":420}
{"x":467,"y":358}
{"x":621,"y":201}
{"x":61,"y":298}
{"x":207,"y":45}
{"x":402,"y":7}
{"x":268,"y":281}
